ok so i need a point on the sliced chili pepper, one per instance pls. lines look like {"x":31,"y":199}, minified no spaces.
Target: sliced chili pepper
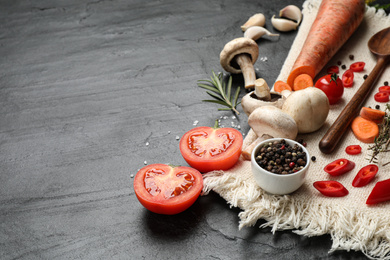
{"x":331,"y":188}
{"x":347,"y":78}
{"x":339,"y":167}
{"x":380,"y":192}
{"x":357,"y":66}
{"x":384,"y":89}
{"x":333,"y":69}
{"x":382,"y":96}
{"x":353,"y":149}
{"x":365,"y":175}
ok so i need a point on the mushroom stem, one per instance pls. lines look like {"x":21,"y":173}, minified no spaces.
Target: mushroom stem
{"x":248,"y":71}
{"x":262,"y":90}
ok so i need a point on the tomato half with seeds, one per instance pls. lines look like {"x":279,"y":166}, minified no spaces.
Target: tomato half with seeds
{"x":206,"y":148}
{"x":166,"y":189}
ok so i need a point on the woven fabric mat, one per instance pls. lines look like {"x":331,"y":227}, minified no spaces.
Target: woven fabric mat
{"x":351,"y":223}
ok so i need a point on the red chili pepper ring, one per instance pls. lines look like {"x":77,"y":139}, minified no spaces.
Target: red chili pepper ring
{"x":339,"y":167}
{"x":331,"y":188}
{"x":365,"y":175}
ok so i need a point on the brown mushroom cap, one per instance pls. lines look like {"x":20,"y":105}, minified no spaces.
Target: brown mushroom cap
{"x":235,"y":47}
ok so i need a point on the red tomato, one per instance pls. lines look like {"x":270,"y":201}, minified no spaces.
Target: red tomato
{"x":384,"y":89}
{"x":332,"y":87}
{"x":339,"y":167}
{"x":357,"y":66}
{"x":207,"y":149}
{"x":347,"y":78}
{"x":331,"y":188}
{"x":332,"y":69}
{"x":380,"y":192}
{"x":365,"y":175}
{"x":353,"y":149}
{"x":382,"y":97}
{"x":168,"y":190}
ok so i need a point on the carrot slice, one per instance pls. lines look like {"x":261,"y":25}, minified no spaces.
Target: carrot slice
{"x":364,"y":130}
{"x":303,"y":81}
{"x":375,"y":115}
{"x":279,"y":86}
{"x":335,"y":22}
{"x":309,"y":70}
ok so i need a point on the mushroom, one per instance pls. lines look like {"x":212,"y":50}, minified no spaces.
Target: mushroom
{"x":261,"y":96}
{"x":309,"y":108}
{"x":254,"y":20}
{"x":238,"y":56}
{"x":270,"y":122}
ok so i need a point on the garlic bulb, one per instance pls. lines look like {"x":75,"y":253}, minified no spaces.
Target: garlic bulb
{"x":254,"y":20}
{"x":256,"y":32}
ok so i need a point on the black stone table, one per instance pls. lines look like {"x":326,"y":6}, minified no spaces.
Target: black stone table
{"x":90,"y":92}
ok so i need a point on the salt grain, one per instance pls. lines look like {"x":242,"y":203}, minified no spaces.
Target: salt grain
{"x":131,"y":175}
{"x":145,"y":162}
{"x":147,"y":143}
{"x":177,"y":137}
{"x":195,"y":122}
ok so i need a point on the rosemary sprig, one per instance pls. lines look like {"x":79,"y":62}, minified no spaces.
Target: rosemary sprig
{"x":382,"y":141}
{"x":377,"y":6}
{"x":221,"y":92}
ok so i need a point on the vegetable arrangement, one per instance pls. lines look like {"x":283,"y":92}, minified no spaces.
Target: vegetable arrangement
{"x":296,"y":106}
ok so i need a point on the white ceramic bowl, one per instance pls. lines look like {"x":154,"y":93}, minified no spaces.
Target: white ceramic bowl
{"x":278,"y":184}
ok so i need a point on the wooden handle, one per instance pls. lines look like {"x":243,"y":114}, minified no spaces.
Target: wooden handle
{"x":330,"y":140}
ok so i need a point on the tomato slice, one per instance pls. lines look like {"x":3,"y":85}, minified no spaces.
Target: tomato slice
{"x":347,"y":78}
{"x":207,"y":149}
{"x":380,"y":192}
{"x":168,"y":190}
{"x":357,"y":66}
{"x":331,"y":188}
{"x":332,"y":69}
{"x":365,"y":175}
{"x":382,"y":96}
{"x":384,"y":89}
{"x":339,"y":167}
{"x":353,"y":149}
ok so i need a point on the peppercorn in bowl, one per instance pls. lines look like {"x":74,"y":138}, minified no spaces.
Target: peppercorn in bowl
{"x":279,"y":165}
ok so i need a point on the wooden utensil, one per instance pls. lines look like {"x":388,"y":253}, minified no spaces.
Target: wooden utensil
{"x":379,"y":44}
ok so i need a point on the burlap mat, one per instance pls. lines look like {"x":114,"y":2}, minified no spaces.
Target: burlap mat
{"x":351,"y":223}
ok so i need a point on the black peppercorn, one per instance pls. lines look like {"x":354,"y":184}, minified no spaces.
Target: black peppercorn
{"x":365,"y":76}
{"x":386,"y":83}
{"x":313,"y":158}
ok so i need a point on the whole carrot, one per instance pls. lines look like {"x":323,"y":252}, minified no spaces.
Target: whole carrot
{"x":335,"y":22}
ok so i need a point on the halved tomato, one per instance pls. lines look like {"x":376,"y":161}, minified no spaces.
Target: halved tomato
{"x":207,"y":148}
{"x":166,"y":189}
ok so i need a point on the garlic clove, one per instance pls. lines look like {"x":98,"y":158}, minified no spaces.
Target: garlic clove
{"x":256,"y":32}
{"x":291,"y":12}
{"x":283,"y":25}
{"x":254,"y":20}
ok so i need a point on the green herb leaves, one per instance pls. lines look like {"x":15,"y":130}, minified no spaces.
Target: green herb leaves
{"x":221,"y":92}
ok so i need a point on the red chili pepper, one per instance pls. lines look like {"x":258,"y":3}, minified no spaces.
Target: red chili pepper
{"x":382,"y":96}
{"x":365,"y":175}
{"x":357,"y":66}
{"x":380,"y":192}
{"x":333,"y":69}
{"x":331,"y":188}
{"x":384,"y":89}
{"x":347,"y":78}
{"x":353,"y":149}
{"x":339,"y":167}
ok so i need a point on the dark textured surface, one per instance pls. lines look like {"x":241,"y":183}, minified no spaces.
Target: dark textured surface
{"x":84,"y":86}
